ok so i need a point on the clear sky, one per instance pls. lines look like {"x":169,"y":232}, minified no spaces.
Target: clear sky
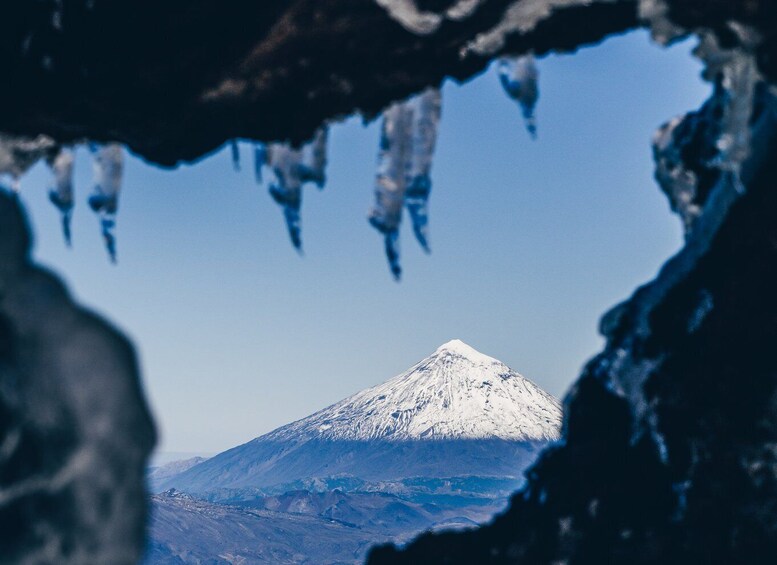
{"x":532,"y":242}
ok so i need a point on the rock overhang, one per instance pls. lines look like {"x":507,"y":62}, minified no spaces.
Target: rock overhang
{"x":175,"y":80}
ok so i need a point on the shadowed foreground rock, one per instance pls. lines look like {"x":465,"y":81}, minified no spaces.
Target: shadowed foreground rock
{"x":74,"y":429}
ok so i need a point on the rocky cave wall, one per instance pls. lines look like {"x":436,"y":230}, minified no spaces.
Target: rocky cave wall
{"x":670,"y":439}
{"x":75,"y":432}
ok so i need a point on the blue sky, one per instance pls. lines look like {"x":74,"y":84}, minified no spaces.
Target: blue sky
{"x":532,"y":241}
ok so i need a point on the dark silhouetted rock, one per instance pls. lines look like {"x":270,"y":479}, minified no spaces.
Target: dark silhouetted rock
{"x":174,"y":80}
{"x":75,"y":432}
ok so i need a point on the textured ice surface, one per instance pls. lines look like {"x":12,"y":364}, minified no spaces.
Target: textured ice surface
{"x":407,"y":141}
{"x":104,"y":200}
{"x":61,"y":194}
{"x":19,"y":154}
{"x":518,"y":76}
{"x":291,"y":168}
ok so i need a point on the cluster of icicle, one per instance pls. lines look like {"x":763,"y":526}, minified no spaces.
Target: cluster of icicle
{"x":17,"y":155}
{"x":108,"y":164}
{"x":403,"y":180}
{"x":407,"y":139}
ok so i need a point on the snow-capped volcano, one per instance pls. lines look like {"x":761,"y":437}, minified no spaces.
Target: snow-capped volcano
{"x":456,"y":393}
{"x":456,"y":413}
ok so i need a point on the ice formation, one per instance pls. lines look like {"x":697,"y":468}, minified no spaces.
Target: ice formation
{"x":518,"y":76}
{"x":408,"y":137}
{"x":108,"y":169}
{"x":260,"y":160}
{"x":61,"y":193}
{"x":19,"y":154}
{"x":235,"y":150}
{"x":403,"y":180}
{"x":291,"y":168}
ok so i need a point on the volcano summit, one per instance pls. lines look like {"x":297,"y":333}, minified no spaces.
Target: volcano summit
{"x":456,"y":413}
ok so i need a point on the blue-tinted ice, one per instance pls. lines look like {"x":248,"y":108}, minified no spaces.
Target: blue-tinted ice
{"x":408,"y":137}
{"x":518,"y":76}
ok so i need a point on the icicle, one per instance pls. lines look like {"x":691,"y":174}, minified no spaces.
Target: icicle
{"x":426,"y":118}
{"x":313,"y":166}
{"x":235,"y":148}
{"x":108,"y":168}
{"x":408,"y":136}
{"x":61,"y":194}
{"x":292,"y":168}
{"x":260,"y":160}
{"x":391,"y":179}
{"x":518,"y":76}
{"x":286,"y":187}
{"x":391,"y":243}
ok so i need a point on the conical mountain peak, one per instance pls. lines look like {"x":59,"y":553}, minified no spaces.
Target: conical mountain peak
{"x":459,"y":348}
{"x":421,"y":423}
{"x":456,"y":393}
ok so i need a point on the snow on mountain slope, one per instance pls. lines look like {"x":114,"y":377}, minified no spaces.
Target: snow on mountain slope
{"x":456,"y":413}
{"x":456,"y":393}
